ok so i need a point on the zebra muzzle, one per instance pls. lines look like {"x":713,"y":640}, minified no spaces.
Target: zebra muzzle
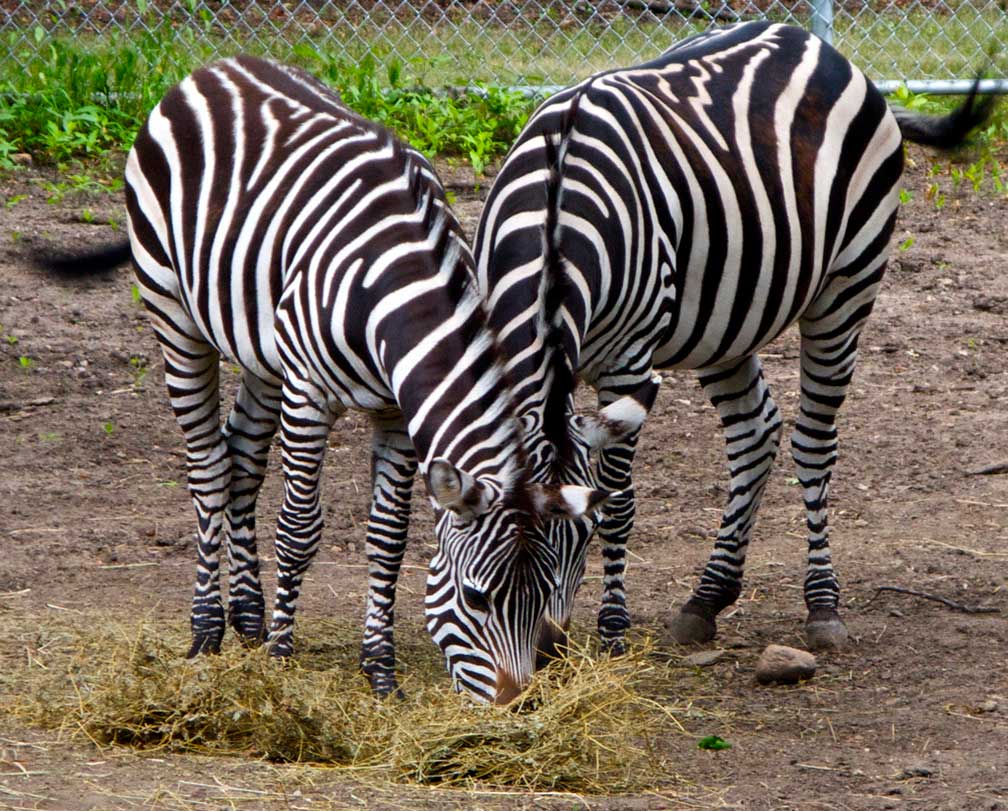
{"x":508,"y":689}
{"x":552,"y":642}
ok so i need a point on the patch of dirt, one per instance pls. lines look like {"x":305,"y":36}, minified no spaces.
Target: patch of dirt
{"x":94,"y":518}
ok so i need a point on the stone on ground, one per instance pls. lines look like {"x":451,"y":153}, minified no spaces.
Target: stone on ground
{"x":704,"y":658}
{"x":783,"y":665}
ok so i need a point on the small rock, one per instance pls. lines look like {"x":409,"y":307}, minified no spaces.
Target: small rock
{"x":779,"y":663}
{"x":916,"y":770}
{"x":704,"y":658}
{"x":21,"y":159}
{"x":990,"y":705}
{"x":990,"y":304}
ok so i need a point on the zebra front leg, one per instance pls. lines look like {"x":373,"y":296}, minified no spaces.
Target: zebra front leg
{"x":305,"y":422}
{"x":393,"y":466}
{"x":191,"y":377}
{"x":752,"y":431}
{"x":249,"y":430}
{"x":614,"y":470}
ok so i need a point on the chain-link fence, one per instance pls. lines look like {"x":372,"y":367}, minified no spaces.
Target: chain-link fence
{"x":931,"y":44}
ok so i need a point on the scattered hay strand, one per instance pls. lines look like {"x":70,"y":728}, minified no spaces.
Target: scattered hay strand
{"x":586,"y":725}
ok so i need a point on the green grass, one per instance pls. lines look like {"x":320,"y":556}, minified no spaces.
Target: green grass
{"x":83,"y":98}
{"x":916,"y":44}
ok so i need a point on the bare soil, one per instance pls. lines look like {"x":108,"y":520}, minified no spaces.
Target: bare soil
{"x":95,"y":519}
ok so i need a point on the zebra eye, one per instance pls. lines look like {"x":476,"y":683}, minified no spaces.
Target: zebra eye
{"x":475,"y":599}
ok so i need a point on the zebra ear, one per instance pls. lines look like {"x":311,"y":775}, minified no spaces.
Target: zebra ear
{"x":456,"y":490}
{"x":528,"y":422}
{"x":568,"y":501}
{"x":619,"y":419}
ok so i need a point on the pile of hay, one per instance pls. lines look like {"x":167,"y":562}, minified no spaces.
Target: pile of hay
{"x":585,"y":725}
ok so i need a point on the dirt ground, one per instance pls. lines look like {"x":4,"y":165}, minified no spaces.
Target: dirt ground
{"x":94,"y":518}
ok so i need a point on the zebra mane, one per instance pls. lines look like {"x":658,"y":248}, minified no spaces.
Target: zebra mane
{"x":438,"y":221}
{"x":560,"y":379}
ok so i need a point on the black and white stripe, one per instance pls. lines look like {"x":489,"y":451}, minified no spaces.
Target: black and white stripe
{"x":271,"y":226}
{"x":701,"y":203}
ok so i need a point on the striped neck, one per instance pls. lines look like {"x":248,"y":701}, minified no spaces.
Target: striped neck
{"x":443,"y":364}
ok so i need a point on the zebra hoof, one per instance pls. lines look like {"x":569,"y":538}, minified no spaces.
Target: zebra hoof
{"x":613,"y":624}
{"x":824,"y":630}
{"x":689,"y":627}
{"x":204,"y":643}
{"x":385,"y":688}
{"x":280,"y":647}
{"x":247,"y":620}
{"x":392,"y":693}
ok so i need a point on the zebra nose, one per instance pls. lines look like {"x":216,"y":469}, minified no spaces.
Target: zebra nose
{"x":552,"y":641}
{"x":507,"y":689}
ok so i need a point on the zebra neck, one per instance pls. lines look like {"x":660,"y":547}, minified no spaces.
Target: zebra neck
{"x":450,"y":385}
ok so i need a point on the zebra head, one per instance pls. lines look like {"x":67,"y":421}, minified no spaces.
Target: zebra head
{"x":494,"y":573}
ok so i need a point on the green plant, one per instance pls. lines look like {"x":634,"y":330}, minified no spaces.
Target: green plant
{"x":905,"y":196}
{"x":713,"y":743}
{"x":108,"y":428}
{"x":139,"y":366}
{"x":25,"y":362}
{"x":80,"y":183}
{"x":935,"y":195}
{"x":11,"y":339}
{"x":906,"y":244}
{"x":86,"y":99}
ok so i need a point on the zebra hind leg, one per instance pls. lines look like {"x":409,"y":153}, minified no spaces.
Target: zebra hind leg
{"x":752,"y":429}
{"x":393,"y":467}
{"x":827,"y":365}
{"x":191,"y":376}
{"x":249,"y":430}
{"x":305,"y":421}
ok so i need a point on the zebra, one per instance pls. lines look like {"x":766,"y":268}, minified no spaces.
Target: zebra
{"x":271,"y":226}
{"x":696,"y":206}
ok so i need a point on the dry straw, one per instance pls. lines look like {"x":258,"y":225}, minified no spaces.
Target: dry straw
{"x":586,"y":725}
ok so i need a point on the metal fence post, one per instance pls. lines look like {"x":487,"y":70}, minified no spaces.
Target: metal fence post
{"x":822,"y":20}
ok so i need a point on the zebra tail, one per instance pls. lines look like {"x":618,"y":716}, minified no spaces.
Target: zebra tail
{"x":562,"y":380}
{"x":950,"y":130}
{"x":90,"y":263}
